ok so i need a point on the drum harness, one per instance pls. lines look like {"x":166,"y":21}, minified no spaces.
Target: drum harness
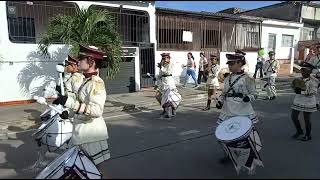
{"x":233,"y":94}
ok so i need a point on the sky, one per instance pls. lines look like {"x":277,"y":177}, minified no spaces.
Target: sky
{"x":212,"y":6}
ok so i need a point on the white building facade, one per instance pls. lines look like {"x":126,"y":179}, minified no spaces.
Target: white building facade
{"x":280,"y":36}
{"x":25,"y":73}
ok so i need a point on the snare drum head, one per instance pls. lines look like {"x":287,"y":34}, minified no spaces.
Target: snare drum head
{"x":233,"y":128}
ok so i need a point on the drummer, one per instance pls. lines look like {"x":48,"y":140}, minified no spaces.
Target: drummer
{"x":73,"y":83}
{"x":304,"y":101}
{"x":212,"y":81}
{"x":239,"y":90}
{"x":271,"y":68}
{"x":90,"y":130}
{"x":166,"y":81}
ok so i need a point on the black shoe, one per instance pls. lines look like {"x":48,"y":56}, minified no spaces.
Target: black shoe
{"x":318,"y":107}
{"x":173,"y":113}
{"x":206,"y":108}
{"x":163,"y":112}
{"x":267,"y":98}
{"x":296,"y":135}
{"x":306,"y":138}
{"x":272,"y":98}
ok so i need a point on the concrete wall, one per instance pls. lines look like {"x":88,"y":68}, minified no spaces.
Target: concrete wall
{"x":23,"y":70}
{"x":279,"y":28}
{"x":178,"y":58}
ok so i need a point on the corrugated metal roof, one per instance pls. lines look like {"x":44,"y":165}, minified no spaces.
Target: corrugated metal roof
{"x":212,"y":15}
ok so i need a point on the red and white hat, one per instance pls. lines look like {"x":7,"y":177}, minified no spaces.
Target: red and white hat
{"x":92,"y":51}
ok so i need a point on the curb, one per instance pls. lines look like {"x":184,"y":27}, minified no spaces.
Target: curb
{"x":144,"y":105}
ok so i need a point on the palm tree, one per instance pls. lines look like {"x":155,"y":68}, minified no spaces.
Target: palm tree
{"x":88,"y":27}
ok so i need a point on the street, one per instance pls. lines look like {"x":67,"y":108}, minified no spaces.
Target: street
{"x":144,"y":146}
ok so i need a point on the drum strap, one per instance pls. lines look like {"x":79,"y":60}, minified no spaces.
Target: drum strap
{"x":212,"y":67}
{"x":270,"y":65}
{"x":233,"y":83}
{"x":80,"y":88}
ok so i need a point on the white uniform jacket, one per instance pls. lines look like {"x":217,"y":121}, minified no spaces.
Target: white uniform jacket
{"x":213,"y":76}
{"x":306,"y":101}
{"x":73,"y":83}
{"x":165,"y":78}
{"x":235,"y":84}
{"x":89,"y":125}
{"x":271,"y":68}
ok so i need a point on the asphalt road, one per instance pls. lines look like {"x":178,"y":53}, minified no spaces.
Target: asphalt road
{"x":144,"y":146}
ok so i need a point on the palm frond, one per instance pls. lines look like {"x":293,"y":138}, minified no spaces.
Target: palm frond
{"x":87,"y":26}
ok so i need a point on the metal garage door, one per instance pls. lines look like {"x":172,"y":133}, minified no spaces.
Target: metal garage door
{"x":124,"y":81}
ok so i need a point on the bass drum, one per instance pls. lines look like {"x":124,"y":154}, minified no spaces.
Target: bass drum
{"x":221,"y":74}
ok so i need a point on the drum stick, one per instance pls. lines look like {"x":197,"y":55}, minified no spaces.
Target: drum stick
{"x":61,"y":84}
{"x":42,"y":100}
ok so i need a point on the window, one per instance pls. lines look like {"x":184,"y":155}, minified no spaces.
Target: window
{"x":132,"y":25}
{"x":210,"y":38}
{"x":21,"y":29}
{"x":28,"y":20}
{"x":252,"y":39}
{"x":287,"y":40}
{"x":171,"y":36}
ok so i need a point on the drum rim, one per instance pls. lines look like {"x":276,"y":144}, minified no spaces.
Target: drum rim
{"x":53,"y":118}
{"x":244,"y":135}
{"x":75,"y":149}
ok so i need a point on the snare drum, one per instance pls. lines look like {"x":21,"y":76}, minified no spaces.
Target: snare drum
{"x":241,"y":142}
{"x":54,"y":132}
{"x":170,"y":98}
{"x":73,"y":164}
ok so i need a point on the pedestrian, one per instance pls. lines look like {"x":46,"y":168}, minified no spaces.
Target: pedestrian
{"x":238,"y":93}
{"x":203,"y":63}
{"x":312,"y":54}
{"x":212,"y":81}
{"x":304,"y":100}
{"x":170,"y":98}
{"x":90,"y":130}
{"x":191,"y":66}
{"x":271,"y":68}
{"x":259,"y":64}
{"x":315,"y":61}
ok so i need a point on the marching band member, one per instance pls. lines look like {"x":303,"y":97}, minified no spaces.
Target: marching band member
{"x":166,"y":85}
{"x":304,"y":100}
{"x":239,"y":91}
{"x":212,"y":81}
{"x":271,"y":68}
{"x":74,"y":80}
{"x":90,"y":130}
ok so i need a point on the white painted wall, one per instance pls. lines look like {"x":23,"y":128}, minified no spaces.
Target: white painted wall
{"x":23,"y":56}
{"x":279,"y":28}
{"x":251,"y":59}
{"x":178,"y":58}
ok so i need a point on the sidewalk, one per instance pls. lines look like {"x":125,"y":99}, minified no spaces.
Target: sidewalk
{"x":19,"y":114}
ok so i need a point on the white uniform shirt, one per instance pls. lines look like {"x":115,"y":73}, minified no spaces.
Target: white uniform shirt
{"x":202,"y":62}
